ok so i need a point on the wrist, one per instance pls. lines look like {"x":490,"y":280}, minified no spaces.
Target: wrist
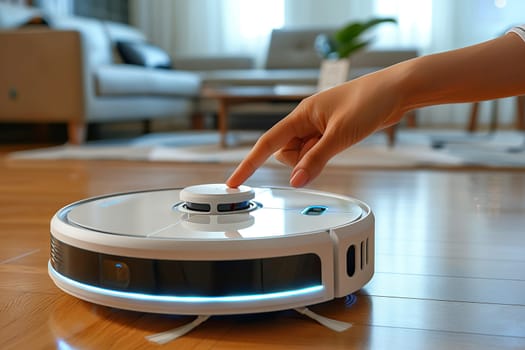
{"x":408,"y":84}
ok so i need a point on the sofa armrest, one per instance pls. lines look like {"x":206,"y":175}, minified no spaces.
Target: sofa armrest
{"x":41,"y":72}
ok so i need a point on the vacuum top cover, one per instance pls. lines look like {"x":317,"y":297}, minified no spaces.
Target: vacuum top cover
{"x":214,"y":212}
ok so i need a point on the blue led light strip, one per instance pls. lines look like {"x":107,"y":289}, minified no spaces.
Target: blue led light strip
{"x":185,"y":299}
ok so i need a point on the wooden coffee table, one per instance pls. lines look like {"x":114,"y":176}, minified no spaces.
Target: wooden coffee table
{"x":228,"y":96}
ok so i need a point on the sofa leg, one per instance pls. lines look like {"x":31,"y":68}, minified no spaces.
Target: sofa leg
{"x":76,"y":133}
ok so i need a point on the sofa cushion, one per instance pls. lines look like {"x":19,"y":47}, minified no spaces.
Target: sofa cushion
{"x":122,"y":32}
{"x":143,"y":54}
{"x":124,"y":79}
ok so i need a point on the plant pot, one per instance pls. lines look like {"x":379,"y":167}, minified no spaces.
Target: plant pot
{"x":333,"y":72}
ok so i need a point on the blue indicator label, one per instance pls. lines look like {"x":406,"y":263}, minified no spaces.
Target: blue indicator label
{"x":314,"y":210}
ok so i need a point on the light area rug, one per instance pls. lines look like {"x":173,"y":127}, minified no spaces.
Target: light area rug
{"x":413,"y":148}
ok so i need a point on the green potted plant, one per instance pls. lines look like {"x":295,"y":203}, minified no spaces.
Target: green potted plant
{"x":337,"y":49}
{"x":347,"y":40}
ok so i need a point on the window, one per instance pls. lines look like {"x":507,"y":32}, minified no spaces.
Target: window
{"x":248,"y":24}
{"x":414,"y":27}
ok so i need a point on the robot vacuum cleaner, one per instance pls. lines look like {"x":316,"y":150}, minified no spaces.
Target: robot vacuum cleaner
{"x":212,"y":250}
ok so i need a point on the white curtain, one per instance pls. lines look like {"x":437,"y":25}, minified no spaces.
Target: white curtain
{"x":222,"y":27}
{"x":156,"y":19}
{"x":326,"y":13}
{"x":209,"y":27}
{"x":413,"y":27}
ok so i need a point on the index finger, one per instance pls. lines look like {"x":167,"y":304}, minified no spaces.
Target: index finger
{"x":268,"y":144}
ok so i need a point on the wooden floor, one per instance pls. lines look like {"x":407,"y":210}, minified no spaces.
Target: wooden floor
{"x":450,"y":263}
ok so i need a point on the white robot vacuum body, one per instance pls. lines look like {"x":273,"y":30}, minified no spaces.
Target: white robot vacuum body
{"x":212,"y":250}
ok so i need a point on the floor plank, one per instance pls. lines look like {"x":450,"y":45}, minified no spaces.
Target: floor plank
{"x":465,"y":289}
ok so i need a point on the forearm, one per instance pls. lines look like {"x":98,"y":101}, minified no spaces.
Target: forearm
{"x":489,"y":70}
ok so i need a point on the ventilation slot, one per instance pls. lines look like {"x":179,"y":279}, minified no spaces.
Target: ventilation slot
{"x":350,"y":261}
{"x":57,"y":260}
{"x":362,"y":254}
{"x":366,"y":252}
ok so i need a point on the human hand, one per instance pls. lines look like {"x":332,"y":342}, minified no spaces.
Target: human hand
{"x":330,"y":121}
{"x":325,"y":124}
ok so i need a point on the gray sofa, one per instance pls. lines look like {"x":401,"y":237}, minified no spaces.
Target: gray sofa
{"x":69,"y":72}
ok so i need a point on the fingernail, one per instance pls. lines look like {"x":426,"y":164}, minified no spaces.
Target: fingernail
{"x":299,"y":178}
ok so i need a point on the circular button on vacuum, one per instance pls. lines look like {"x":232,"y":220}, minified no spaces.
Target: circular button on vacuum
{"x":216,"y":199}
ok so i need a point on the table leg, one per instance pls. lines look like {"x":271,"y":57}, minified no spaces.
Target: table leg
{"x":520,"y":112}
{"x":473,"y":118}
{"x":391,"y":135}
